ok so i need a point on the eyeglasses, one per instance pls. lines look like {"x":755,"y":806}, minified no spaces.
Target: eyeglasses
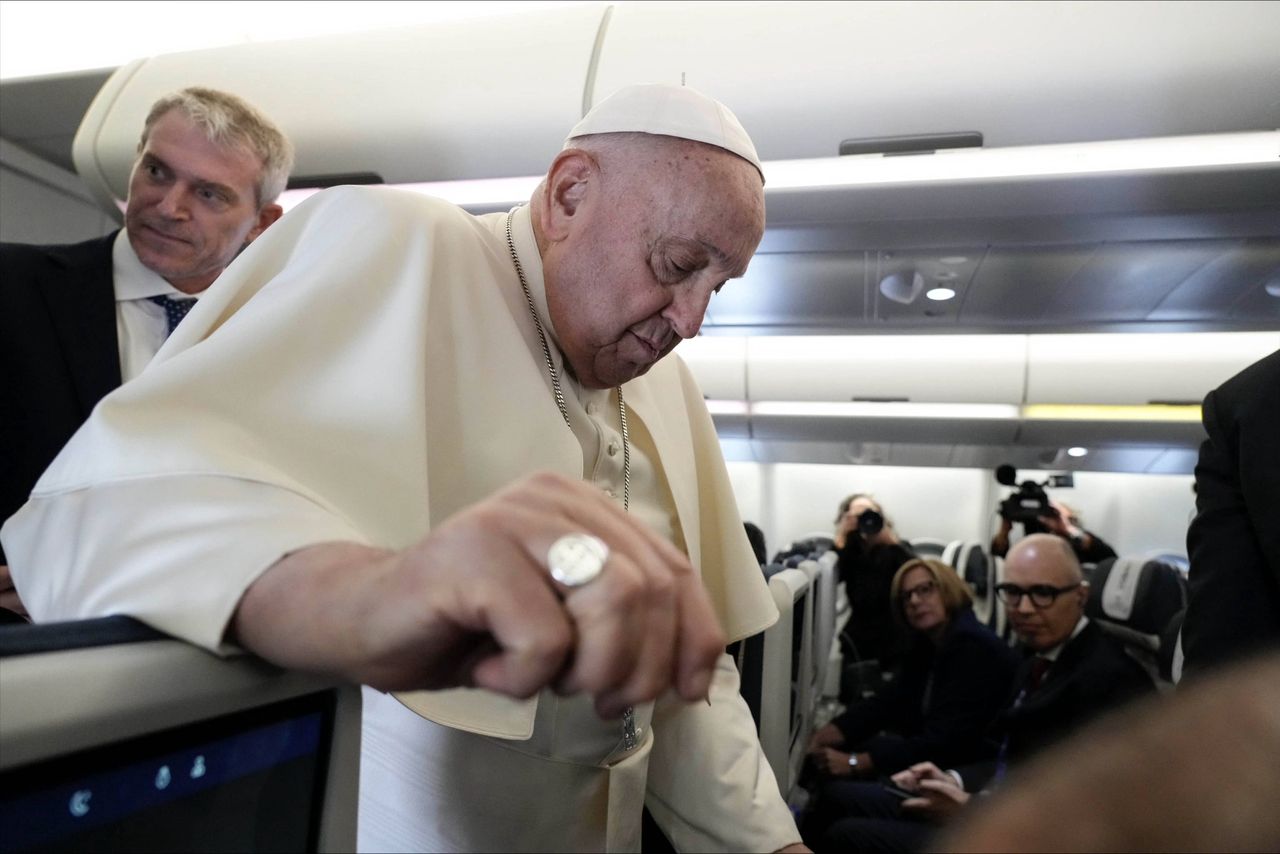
{"x":921,"y":590}
{"x":1042,"y":595}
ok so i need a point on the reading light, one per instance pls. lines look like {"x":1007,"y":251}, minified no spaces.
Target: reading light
{"x":1077,"y":452}
{"x":940,"y":294}
{"x":902,"y":287}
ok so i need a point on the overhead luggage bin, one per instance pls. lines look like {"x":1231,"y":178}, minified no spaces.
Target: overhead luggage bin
{"x":879,"y":369}
{"x":1138,"y":369}
{"x":804,"y":77}
{"x":481,"y":98}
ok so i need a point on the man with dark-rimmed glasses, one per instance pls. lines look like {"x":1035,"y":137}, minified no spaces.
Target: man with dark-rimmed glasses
{"x":1073,"y":672}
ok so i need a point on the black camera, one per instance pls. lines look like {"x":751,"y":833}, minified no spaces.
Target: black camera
{"x":870,"y":523}
{"x":1030,"y":501}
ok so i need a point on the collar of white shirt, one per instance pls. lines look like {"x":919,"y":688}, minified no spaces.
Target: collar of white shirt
{"x":133,"y":281}
{"x":1053,"y":654}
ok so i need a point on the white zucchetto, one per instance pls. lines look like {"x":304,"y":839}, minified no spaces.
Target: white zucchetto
{"x":666,"y":110}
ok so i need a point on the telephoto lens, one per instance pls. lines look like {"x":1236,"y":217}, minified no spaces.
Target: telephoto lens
{"x":870,"y":523}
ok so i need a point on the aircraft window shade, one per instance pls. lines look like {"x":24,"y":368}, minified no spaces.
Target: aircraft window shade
{"x":249,"y":781}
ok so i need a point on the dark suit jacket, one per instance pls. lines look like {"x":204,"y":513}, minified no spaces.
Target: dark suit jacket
{"x":971,"y":673}
{"x":59,"y":354}
{"x":1093,"y":674}
{"x":1233,"y":605}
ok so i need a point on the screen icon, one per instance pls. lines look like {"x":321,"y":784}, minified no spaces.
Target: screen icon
{"x":163,"y":777}
{"x":197,"y":768}
{"x":79,"y":804}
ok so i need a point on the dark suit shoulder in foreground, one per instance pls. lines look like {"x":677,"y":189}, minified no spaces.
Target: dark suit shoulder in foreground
{"x":1234,"y":541}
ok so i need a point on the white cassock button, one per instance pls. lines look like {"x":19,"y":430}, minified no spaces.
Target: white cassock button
{"x":610,"y":493}
{"x":613,"y":449}
{"x":592,"y":408}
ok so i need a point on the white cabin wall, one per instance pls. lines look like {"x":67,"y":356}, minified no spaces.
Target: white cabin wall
{"x":791,"y":500}
{"x":1135,"y":513}
{"x":41,"y":203}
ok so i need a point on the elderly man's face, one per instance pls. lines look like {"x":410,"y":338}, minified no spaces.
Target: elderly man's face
{"x":650,"y":244}
{"x":1035,"y":561}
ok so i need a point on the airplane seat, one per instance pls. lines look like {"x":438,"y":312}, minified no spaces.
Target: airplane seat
{"x":928,"y":547}
{"x":951,"y":554}
{"x":116,"y":737}
{"x":810,"y":545}
{"x":1177,"y":560}
{"x":839,"y":619}
{"x":783,"y":662}
{"x":773,"y":569}
{"x":1166,"y":657}
{"x":824,"y":615}
{"x":976,"y":567}
{"x":999,"y":622}
{"x":1137,"y":600}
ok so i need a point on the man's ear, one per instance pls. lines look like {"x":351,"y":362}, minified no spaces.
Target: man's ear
{"x":266,"y":216}
{"x":573,"y":174}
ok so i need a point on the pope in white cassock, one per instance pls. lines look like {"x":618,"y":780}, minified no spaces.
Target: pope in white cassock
{"x":389,"y":424}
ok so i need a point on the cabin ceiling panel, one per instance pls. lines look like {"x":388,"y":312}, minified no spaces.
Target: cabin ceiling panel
{"x":1186,"y":434}
{"x":811,"y":289}
{"x":1127,"y":281}
{"x":1239,"y":270}
{"x":1031,"y":462}
{"x":41,"y":114}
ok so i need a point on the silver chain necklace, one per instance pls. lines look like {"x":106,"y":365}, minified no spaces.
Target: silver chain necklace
{"x":629,"y":735}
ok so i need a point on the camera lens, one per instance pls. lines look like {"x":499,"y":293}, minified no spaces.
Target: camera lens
{"x":870,"y":522}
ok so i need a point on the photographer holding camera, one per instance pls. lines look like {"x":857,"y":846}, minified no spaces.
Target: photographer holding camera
{"x":870,"y":552}
{"x":1039,"y":514}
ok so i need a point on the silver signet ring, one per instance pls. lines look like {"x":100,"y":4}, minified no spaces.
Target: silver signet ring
{"x":575,"y":559}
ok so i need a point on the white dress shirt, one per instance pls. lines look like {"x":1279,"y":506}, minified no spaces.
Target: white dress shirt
{"x":141,"y":326}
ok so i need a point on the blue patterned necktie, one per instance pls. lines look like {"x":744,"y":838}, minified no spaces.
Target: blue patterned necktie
{"x":174,"y":310}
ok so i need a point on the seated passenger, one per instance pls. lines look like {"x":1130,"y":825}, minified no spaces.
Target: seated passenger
{"x":1073,"y":673}
{"x":1193,"y":771}
{"x":870,"y":552}
{"x":953,"y":681}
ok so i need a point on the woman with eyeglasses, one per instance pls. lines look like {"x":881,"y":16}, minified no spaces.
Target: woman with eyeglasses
{"x":953,"y":680}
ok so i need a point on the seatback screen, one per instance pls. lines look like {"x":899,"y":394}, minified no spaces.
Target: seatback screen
{"x":250,"y":781}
